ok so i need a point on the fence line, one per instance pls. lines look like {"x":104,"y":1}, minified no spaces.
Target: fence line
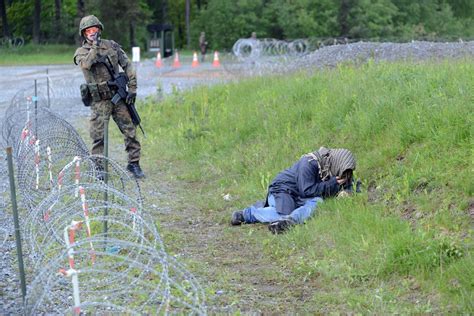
{"x":75,"y":266}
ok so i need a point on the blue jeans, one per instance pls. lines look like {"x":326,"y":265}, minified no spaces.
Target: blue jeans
{"x":269,"y":214}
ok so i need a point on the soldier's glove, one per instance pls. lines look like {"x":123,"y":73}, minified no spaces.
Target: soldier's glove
{"x":96,"y":39}
{"x":131,"y":96}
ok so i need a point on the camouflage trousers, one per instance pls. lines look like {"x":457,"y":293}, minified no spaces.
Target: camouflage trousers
{"x":104,"y":109}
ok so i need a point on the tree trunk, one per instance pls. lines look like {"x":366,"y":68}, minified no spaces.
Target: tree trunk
{"x":133,"y":41}
{"x":37,"y":22}
{"x":81,"y":11}
{"x":343,"y":18}
{"x":57,"y":17}
{"x":3,"y":15}
{"x":188,"y":31}
{"x":164,"y":11}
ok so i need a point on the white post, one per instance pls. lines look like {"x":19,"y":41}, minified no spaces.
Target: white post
{"x":69,"y":235}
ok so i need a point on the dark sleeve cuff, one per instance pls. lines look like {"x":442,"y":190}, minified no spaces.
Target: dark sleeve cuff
{"x":332,"y":187}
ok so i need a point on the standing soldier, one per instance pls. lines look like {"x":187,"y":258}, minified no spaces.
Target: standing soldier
{"x":96,"y":58}
{"x":203,"y":45}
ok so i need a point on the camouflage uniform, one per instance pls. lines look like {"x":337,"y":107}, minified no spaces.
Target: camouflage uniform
{"x":203,"y":45}
{"x":96,"y":76}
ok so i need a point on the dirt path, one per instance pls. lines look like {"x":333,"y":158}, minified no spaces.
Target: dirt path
{"x":229,"y":262}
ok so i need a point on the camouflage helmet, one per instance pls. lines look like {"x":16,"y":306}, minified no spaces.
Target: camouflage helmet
{"x":89,"y":21}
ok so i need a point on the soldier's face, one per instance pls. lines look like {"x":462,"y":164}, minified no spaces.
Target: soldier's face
{"x":91,"y":32}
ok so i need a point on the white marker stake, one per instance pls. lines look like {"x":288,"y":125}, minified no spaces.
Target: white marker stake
{"x":50,"y":167}
{"x":136,"y":54}
{"x":28,"y":103}
{"x":77,"y":174}
{"x":69,"y":235}
{"x":60,"y":180}
{"x":133,"y":210}
{"x":85,"y":208}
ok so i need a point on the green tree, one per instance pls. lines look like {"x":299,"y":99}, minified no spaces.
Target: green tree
{"x":20,"y":17}
{"x":226,"y":21}
{"x":3,"y":15}
{"x":79,"y":14}
{"x":307,"y":18}
{"x":462,"y":8}
{"x":119,"y":18}
{"x":343,"y":16}
{"x":176,"y":16}
{"x":428,"y":19}
{"x":57,"y":16}
{"x":369,"y":19}
{"x":37,"y":22}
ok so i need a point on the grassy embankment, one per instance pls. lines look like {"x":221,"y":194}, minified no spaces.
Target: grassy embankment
{"x":37,"y":55}
{"x":403,"y":245}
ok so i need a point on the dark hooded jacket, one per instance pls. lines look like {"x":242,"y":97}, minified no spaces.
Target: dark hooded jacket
{"x":313,"y":175}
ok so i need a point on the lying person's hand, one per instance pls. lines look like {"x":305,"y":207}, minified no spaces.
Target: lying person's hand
{"x":346,"y":177}
{"x":341,"y":180}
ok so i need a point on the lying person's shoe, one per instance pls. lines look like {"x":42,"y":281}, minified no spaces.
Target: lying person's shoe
{"x":237,"y":218}
{"x":135,"y":169}
{"x":281,"y":226}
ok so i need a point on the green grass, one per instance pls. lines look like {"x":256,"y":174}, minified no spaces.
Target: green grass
{"x":37,"y":55}
{"x":404,"y":244}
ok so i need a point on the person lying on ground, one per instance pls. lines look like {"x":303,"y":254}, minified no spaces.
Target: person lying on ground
{"x":294,"y":193}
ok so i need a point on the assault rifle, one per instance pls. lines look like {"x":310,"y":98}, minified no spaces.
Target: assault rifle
{"x":119,"y":81}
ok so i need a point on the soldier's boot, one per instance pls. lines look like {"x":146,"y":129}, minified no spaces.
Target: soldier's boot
{"x":99,"y":171}
{"x":100,"y":174}
{"x":281,"y":226}
{"x":135,"y":169}
{"x":237,"y":218}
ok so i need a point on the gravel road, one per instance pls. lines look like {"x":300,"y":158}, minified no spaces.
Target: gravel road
{"x":65,"y":80}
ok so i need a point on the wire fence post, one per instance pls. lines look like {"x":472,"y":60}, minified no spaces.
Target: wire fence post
{"x":16,"y":222}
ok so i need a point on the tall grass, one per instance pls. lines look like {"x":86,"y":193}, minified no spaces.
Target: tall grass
{"x":37,"y":55}
{"x":410,"y":128}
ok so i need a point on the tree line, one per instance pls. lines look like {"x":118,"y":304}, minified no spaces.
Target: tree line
{"x":225,"y":21}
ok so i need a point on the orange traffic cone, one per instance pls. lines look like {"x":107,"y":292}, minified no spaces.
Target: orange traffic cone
{"x":176,"y":62}
{"x":216,"y":62}
{"x":195,"y":60}
{"x":158,"y":62}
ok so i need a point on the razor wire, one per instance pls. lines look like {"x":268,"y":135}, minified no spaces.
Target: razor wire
{"x":253,"y":57}
{"x":252,"y":49}
{"x":12,"y":42}
{"x":90,"y":244}
{"x":140,"y":286}
{"x":86,"y":202}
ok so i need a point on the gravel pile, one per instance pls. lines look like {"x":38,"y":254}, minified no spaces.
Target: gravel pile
{"x":361,"y":52}
{"x":357,"y":53}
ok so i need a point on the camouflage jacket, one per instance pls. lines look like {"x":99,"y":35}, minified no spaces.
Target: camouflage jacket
{"x":87,"y":55}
